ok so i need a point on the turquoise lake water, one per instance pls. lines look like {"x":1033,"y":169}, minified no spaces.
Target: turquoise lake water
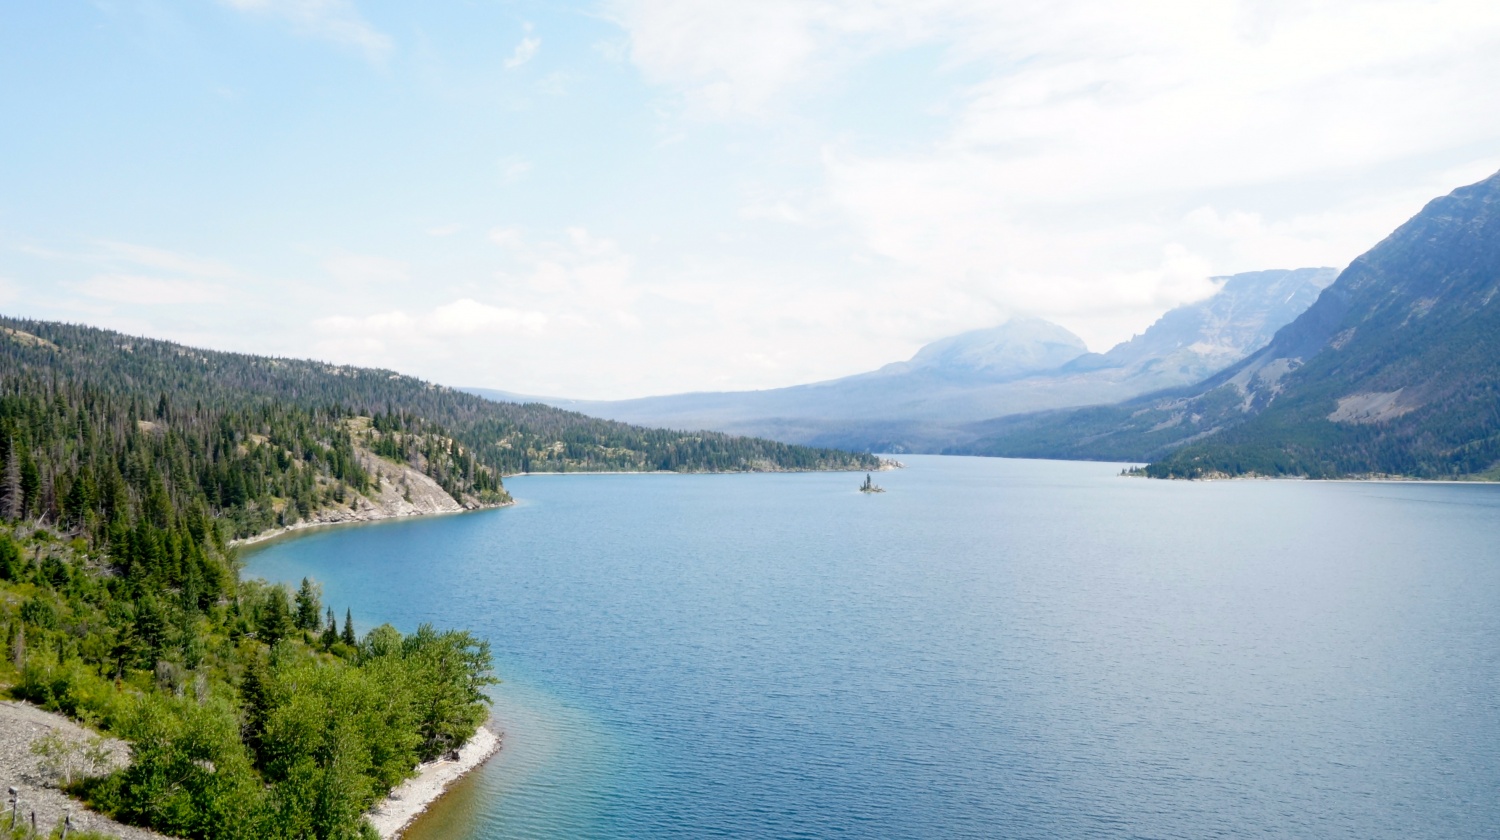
{"x":992,"y":648}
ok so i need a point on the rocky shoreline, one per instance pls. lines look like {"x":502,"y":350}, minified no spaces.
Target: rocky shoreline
{"x":342,"y":516}
{"x":415,"y":795}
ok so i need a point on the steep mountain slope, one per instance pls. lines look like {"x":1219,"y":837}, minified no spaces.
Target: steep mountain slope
{"x":925,"y":403}
{"x":1190,"y":342}
{"x":1395,"y":370}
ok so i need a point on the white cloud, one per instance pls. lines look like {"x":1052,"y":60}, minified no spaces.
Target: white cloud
{"x":578,"y":273}
{"x":735,"y":59}
{"x":696,"y":322}
{"x":1064,"y":180}
{"x":166,"y":260}
{"x":781,"y":209}
{"x":331,"y":20}
{"x":150,"y":291}
{"x":524,"y":51}
{"x":463,"y":329}
{"x":509,"y":238}
{"x":461,"y":317}
{"x":467,"y":316}
{"x":513,"y":169}
{"x":555,"y":83}
{"x":116,"y":255}
{"x":728,"y":57}
{"x":879,"y":173}
{"x":553,"y":290}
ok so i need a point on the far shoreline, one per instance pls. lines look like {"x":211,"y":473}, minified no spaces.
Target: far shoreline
{"x":1374,"y":479}
{"x":886,"y":465}
{"x":372,"y":517}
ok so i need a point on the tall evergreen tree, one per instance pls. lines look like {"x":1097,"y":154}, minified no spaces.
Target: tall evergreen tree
{"x":308,"y":606}
{"x":275,"y":618}
{"x":12,"y":497}
{"x":330,"y":631}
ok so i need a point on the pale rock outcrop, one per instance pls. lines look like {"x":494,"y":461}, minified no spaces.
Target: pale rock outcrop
{"x":22,"y":725}
{"x":400,"y":490}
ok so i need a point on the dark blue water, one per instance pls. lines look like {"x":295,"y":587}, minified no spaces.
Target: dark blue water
{"x":992,"y":648}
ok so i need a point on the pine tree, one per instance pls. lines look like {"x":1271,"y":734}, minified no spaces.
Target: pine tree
{"x":12,"y":498}
{"x":47,"y":510}
{"x":275,"y":619}
{"x":31,"y":484}
{"x":151,"y":630}
{"x":331,"y":632}
{"x":257,"y":705}
{"x":349,"y":638}
{"x":308,"y":606}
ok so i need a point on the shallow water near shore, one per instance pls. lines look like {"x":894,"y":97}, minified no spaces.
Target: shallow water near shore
{"x":990,"y":648}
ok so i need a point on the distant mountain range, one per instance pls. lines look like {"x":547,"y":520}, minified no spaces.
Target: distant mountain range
{"x":932,"y":402}
{"x":1395,"y":370}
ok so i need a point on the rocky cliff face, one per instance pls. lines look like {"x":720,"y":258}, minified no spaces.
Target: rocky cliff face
{"x":401,"y":490}
{"x":405,"y":491}
{"x":1193,"y":341}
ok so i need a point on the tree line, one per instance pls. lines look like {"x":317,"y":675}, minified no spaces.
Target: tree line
{"x":494,"y":439}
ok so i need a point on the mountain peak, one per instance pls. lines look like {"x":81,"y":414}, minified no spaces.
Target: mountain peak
{"x":1018,"y":347}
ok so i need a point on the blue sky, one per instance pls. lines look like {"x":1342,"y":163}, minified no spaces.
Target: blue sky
{"x":626,"y":197}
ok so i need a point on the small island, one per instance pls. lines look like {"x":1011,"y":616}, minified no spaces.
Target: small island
{"x":870,"y":486}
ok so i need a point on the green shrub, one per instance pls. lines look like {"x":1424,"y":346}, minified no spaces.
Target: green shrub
{"x":70,"y":687}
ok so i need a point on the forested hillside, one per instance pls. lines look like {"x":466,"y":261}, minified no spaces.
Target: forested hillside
{"x":125,"y":474}
{"x":96,"y":426}
{"x":127,"y":468}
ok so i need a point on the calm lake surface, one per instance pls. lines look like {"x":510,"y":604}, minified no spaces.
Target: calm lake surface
{"x":993,"y":648}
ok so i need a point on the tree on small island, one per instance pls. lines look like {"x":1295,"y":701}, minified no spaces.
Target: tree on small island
{"x":870,"y":486}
